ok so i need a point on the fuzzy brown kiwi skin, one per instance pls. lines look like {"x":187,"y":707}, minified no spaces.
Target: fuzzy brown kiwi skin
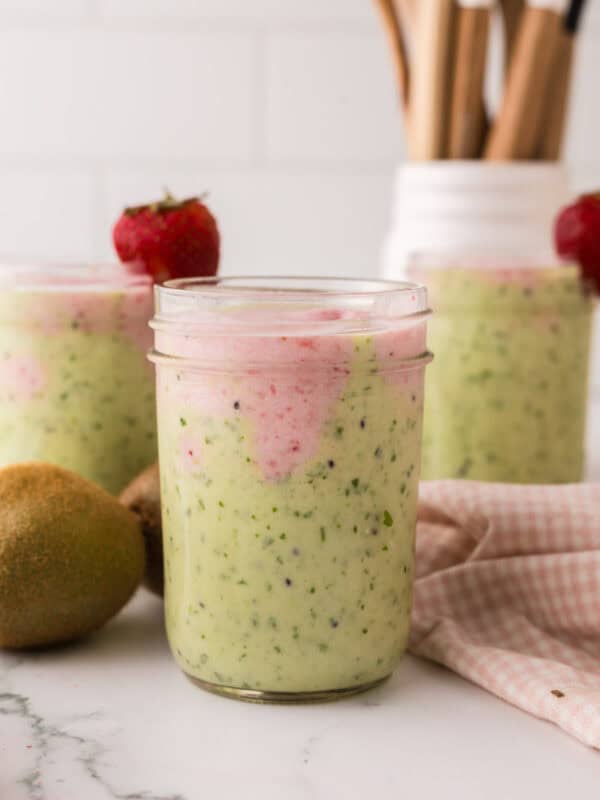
{"x":70,"y":556}
{"x":142,"y":497}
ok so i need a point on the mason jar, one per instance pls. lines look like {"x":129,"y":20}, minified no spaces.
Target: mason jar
{"x":75,"y":386}
{"x":289,"y":418}
{"x":506,"y":399}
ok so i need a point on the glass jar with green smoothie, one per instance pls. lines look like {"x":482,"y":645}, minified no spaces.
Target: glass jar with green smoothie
{"x":289,"y":415}
{"x":507,"y":396}
{"x":75,"y":386}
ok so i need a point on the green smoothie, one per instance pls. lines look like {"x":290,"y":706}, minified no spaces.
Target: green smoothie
{"x":289,"y":497}
{"x":506,"y":397}
{"x":75,"y":388}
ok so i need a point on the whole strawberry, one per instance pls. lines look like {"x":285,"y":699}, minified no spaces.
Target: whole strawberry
{"x":577,"y":236}
{"x":170,"y":238}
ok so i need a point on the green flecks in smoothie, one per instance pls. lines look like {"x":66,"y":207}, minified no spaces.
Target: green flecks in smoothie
{"x":67,"y":422}
{"x":319,"y":558}
{"x":515,"y":346}
{"x":479,"y":377}
{"x":387,"y":519}
{"x":182,"y":422}
{"x":465,"y":468}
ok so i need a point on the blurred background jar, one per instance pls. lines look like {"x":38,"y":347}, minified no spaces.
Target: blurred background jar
{"x":75,"y":388}
{"x":507,"y":395}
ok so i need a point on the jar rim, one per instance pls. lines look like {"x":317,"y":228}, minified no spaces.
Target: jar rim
{"x":480,"y":259}
{"x":290,"y":284}
{"x":70,"y":277}
{"x":294,"y":305}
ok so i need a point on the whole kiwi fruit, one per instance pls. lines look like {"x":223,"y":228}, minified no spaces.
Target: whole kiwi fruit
{"x":71,"y":555}
{"x":142,"y":497}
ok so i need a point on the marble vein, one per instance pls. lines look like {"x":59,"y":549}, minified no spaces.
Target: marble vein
{"x":46,"y":737}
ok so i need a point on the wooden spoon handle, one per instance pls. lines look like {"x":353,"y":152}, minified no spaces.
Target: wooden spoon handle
{"x":516,"y":132}
{"x":430,"y":84}
{"x":468,"y":117}
{"x":393,"y":30}
{"x":511,"y":15}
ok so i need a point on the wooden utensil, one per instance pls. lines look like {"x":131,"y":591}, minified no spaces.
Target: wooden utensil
{"x":511,"y":15}
{"x":554,"y":117}
{"x":467,"y":109}
{"x":408,"y":15}
{"x":430,"y":90}
{"x":516,"y":131}
{"x":391,"y":24}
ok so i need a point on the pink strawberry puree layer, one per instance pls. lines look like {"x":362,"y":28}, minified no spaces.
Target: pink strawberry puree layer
{"x":285,"y":386}
{"x":76,"y":388}
{"x":289,"y":456}
{"x":21,"y":377}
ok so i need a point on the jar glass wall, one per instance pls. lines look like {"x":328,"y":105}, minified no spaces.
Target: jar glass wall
{"x":75,"y":386}
{"x":506,"y":399}
{"x":289,"y":416}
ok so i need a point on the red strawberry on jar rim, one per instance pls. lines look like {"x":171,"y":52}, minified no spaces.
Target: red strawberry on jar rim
{"x":577,"y":236}
{"x":169,"y":238}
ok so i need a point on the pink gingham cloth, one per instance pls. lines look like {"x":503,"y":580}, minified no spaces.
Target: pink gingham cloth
{"x":507,"y":594}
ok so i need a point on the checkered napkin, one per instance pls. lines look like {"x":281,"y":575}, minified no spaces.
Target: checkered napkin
{"x":507,"y":594}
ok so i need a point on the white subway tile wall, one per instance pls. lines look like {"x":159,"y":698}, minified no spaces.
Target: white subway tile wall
{"x":284,"y":111}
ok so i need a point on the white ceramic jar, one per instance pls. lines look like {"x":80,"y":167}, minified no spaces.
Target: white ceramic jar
{"x":457,"y":207}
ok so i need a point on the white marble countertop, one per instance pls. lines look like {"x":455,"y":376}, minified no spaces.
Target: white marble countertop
{"x":112,"y":718}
